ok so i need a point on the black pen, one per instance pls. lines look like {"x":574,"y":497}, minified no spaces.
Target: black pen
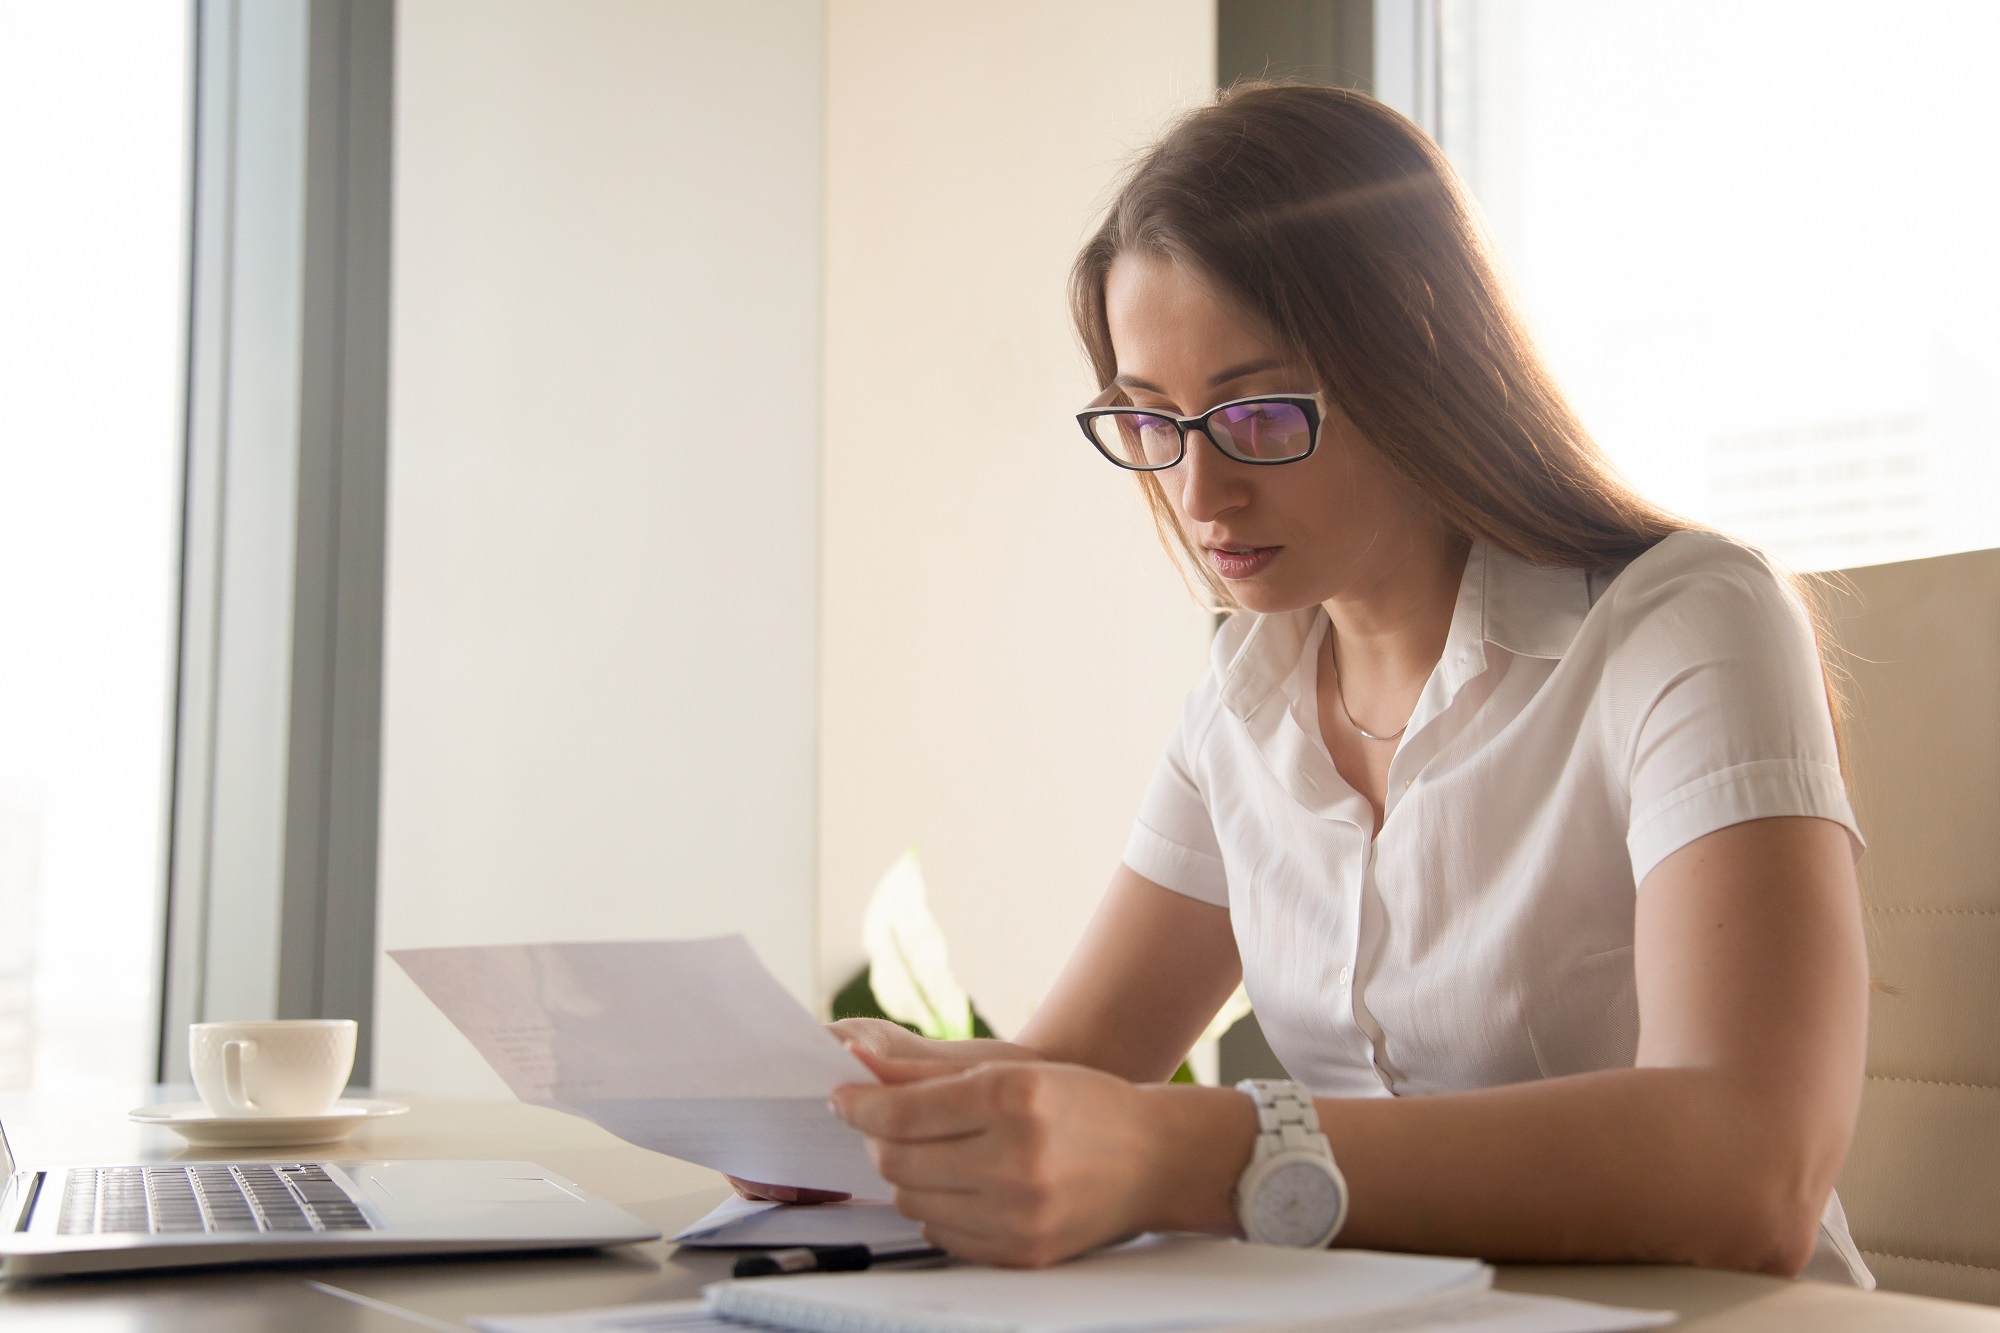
{"x":824,"y":1259}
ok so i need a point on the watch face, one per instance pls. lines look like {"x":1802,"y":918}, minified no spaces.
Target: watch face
{"x":1294,"y":1204}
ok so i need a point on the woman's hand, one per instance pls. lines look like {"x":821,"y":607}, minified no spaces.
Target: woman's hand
{"x":880,"y":1037}
{"x":1026,"y":1164}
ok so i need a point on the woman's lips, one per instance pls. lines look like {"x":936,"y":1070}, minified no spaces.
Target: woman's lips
{"x":1241,"y":562}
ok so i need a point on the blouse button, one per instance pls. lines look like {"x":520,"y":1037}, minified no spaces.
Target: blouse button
{"x":1345,"y":976}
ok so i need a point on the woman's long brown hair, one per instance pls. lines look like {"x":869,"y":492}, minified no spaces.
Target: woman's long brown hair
{"x":1341,"y":225}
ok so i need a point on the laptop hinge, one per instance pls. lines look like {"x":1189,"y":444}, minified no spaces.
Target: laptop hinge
{"x":24,"y":1188}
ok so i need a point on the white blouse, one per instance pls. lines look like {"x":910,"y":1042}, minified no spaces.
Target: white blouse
{"x":1580,"y":727}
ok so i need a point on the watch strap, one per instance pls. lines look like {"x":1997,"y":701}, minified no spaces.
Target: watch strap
{"x":1287,"y":1125}
{"x":1286,"y":1117}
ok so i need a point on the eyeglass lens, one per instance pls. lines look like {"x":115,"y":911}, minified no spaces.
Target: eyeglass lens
{"x":1253,"y":432}
{"x":1262,"y":432}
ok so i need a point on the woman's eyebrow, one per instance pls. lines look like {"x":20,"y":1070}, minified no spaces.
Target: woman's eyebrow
{"x":1244,"y":371}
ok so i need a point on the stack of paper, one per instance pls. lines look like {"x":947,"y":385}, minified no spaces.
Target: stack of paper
{"x":742,"y":1224}
{"x":686,"y":1047}
{"x":1155,"y":1284}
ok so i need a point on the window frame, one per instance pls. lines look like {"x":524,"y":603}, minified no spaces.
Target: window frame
{"x":274,"y":757}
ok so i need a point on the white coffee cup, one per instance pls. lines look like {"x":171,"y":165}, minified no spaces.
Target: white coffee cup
{"x":278,"y":1067}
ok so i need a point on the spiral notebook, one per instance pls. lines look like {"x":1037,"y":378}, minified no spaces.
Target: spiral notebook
{"x":1158,"y":1282}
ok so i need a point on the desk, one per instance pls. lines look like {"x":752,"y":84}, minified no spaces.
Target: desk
{"x":670,"y":1194}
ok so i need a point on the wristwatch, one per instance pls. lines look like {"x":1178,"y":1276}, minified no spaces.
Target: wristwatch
{"x":1291,"y":1193}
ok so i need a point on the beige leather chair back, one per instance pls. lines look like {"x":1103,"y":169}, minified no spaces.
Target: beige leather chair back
{"x":1921,"y":643}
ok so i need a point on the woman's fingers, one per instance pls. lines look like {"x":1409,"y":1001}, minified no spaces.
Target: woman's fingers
{"x":878,"y":1036}
{"x":972,"y":1227}
{"x":948,"y":1213}
{"x":936,"y":1108}
{"x":954,"y":1166}
{"x":904,"y":1069}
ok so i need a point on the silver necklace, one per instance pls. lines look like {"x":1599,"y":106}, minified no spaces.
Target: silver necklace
{"x":1340,"y":697}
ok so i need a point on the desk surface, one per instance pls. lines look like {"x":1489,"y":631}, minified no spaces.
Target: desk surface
{"x":670,"y":1194}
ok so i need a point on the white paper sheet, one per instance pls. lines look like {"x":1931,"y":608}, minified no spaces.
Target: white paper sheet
{"x":1154,"y":1282}
{"x":1513,"y":1312}
{"x":1492,"y":1312}
{"x":661,"y":1317}
{"x":686,"y":1047}
{"x":741,"y":1222}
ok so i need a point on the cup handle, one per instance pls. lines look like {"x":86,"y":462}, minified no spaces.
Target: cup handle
{"x":233,"y":1055}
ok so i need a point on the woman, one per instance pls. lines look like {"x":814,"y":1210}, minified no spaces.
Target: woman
{"x":1514,"y":802}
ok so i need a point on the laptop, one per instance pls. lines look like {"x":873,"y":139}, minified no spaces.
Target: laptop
{"x":98,"y":1219}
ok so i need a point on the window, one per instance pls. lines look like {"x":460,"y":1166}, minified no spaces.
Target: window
{"x":1756,"y":240}
{"x":93,"y":146}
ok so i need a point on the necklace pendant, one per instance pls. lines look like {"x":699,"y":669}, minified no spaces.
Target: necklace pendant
{"x":1369,"y":735}
{"x":1340,"y":697}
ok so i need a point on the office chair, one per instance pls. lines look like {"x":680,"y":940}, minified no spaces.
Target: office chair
{"x":1920,"y":642}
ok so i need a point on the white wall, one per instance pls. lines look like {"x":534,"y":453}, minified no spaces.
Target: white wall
{"x":1004,"y":646}
{"x":617,"y":630}
{"x":603,"y":489}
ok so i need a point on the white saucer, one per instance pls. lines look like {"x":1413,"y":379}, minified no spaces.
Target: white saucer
{"x":194,"y":1122}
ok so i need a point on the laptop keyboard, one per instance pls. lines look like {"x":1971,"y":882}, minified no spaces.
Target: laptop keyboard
{"x":217,"y":1197}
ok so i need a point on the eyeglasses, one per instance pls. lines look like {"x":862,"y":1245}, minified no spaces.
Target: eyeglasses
{"x":1266,"y":430}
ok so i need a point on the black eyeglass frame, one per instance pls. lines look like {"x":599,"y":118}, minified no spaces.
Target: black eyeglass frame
{"x":1307,"y":404}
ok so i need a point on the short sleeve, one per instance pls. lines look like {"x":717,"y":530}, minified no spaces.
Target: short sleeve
{"x":1173,"y":840}
{"x":1718,"y":681}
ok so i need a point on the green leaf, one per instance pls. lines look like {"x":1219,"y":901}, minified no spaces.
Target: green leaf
{"x":909,"y":970}
{"x":857,"y":1000}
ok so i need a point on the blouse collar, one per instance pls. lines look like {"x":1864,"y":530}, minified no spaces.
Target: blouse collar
{"x":1527,"y":610}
